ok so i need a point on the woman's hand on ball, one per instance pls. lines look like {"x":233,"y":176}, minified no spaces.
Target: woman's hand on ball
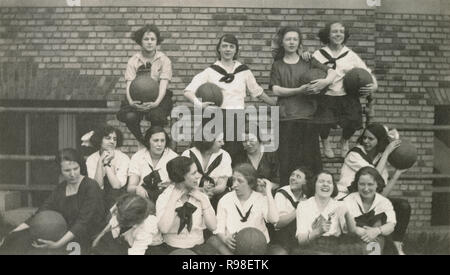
{"x":368,"y":89}
{"x":230,"y":241}
{"x":46,"y":244}
{"x":392,"y":146}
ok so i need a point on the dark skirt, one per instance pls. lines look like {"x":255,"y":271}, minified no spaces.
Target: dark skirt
{"x":157,"y":116}
{"x":345,"y":111}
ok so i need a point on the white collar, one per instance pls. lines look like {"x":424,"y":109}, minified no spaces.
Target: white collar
{"x":343,"y":50}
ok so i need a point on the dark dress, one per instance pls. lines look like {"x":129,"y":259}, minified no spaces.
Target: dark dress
{"x":84,"y":212}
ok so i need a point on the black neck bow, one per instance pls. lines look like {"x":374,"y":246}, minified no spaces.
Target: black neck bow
{"x":228,"y":77}
{"x":147,"y":67}
{"x":331,"y":60}
{"x":205,"y":175}
{"x":185,"y":214}
{"x":244,"y":218}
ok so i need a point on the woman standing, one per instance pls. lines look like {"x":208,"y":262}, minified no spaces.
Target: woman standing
{"x":157,"y":65}
{"x":335,"y":106}
{"x":299,"y":145}
{"x":147,"y":174}
{"x":234,"y":78}
{"x":108,"y":166}
{"x":244,"y":206}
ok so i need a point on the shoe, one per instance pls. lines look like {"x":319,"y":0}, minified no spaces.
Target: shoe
{"x":344,"y":149}
{"x":399,"y":247}
{"x":328,"y":152}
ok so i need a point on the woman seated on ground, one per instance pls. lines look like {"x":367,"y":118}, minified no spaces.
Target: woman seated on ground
{"x":374,"y":214}
{"x":265,"y":163}
{"x":214,"y":165}
{"x":147,"y":174}
{"x":245,"y":206}
{"x":184,"y":211}
{"x":78,"y":199}
{"x":373,"y":149}
{"x":286,"y":200}
{"x":108,"y":166}
{"x":132,"y":229}
{"x":321,"y":218}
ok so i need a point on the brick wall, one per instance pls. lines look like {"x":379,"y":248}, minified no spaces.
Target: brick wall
{"x":408,"y":52}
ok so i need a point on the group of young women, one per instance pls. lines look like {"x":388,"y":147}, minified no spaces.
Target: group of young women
{"x":158,"y":202}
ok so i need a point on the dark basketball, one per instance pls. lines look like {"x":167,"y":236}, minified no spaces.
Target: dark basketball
{"x":182,"y":251}
{"x":404,"y":156}
{"x":355,"y":79}
{"x":250,"y":241}
{"x":210,"y":92}
{"x":312,"y":75}
{"x":144,"y":88}
{"x":48,"y":225}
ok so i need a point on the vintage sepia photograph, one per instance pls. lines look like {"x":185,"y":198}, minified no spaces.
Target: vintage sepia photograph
{"x":225,"y":127}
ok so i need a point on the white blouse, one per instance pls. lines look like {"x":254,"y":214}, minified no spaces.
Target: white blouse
{"x":119,"y":164}
{"x":343,"y":65}
{"x":307,"y":212}
{"x":229,"y":220}
{"x":141,"y":164}
{"x":186,"y":239}
{"x":223,"y":170}
{"x":233,"y":92}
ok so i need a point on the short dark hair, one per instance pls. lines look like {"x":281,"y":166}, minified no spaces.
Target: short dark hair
{"x":133,"y":209}
{"x":324,"y":34}
{"x":155,"y":129}
{"x":279,"y":52}
{"x":104,"y":131}
{"x":230,"y":38}
{"x":311,"y":190}
{"x":249,"y":173}
{"x":308,"y":177}
{"x":368,"y":170}
{"x":178,"y":167}
{"x":70,"y":154}
{"x":380,"y":133}
{"x":137,"y":35}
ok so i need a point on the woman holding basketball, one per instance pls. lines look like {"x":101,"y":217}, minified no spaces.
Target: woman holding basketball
{"x":78,"y":199}
{"x":234,"y":78}
{"x":152,"y":62}
{"x":335,"y":106}
{"x":250,"y":204}
{"x":373,"y":150}
{"x":299,"y":138}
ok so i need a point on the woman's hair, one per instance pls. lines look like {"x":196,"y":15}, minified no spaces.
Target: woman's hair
{"x":178,"y":167}
{"x":133,"y":209}
{"x":279,"y":52}
{"x":70,"y":154}
{"x":104,"y":131}
{"x":308,"y":177}
{"x":324,"y":34}
{"x":230,"y":38}
{"x":249,"y":173}
{"x":137,"y":35}
{"x":155,"y":130}
{"x":311,"y":185}
{"x":380,"y":133}
{"x":368,"y":170}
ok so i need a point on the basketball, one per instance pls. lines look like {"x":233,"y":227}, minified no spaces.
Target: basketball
{"x":312,"y":75}
{"x":355,"y":79}
{"x":250,"y":241}
{"x":182,"y":251}
{"x":210,"y":92}
{"x":404,"y":156}
{"x":48,"y":225}
{"x":144,"y":88}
